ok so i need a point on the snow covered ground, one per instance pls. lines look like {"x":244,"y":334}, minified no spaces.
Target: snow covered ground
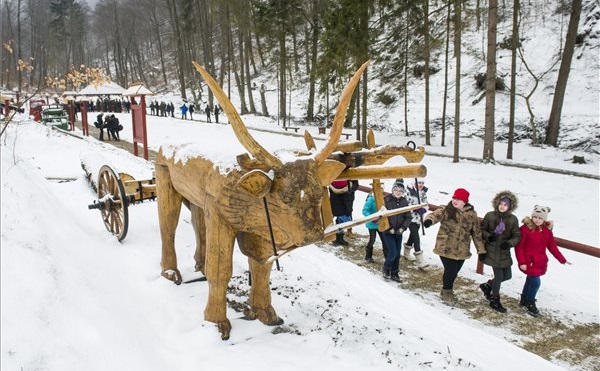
{"x":74,"y":298}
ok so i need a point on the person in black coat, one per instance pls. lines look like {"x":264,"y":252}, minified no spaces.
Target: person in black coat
{"x":113,"y":127}
{"x":341,"y":196}
{"x":393,"y":235}
{"x":100,"y":125}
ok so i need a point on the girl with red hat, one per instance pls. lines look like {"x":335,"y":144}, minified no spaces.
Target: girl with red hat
{"x":458,"y":226}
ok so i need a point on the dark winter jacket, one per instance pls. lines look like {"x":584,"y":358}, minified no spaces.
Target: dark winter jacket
{"x":453,"y":240}
{"x":399,"y":220}
{"x":342,"y":199}
{"x":531,"y":250}
{"x":496,"y":256}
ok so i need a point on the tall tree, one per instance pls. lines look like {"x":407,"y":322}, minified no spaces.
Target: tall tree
{"x":180,"y":55}
{"x":513,"y":77}
{"x":457,"y":51}
{"x":446,"y":60}
{"x":490,"y":83}
{"x":426,"y":55}
{"x":563,"y":75}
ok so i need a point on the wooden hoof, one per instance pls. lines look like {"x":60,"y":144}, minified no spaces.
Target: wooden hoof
{"x":172,"y":275}
{"x":266,"y":316}
{"x":225,"y":329}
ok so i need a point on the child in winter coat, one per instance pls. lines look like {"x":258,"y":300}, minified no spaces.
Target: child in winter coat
{"x":536,"y":237}
{"x":371,"y":208}
{"x":500,"y":229}
{"x":459,"y":224}
{"x":417,"y":194}
{"x":341,"y":197}
{"x":393,"y":235}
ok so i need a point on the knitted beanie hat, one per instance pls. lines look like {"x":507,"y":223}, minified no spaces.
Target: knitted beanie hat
{"x":461,"y":194}
{"x":398,"y":186}
{"x":506,"y":200}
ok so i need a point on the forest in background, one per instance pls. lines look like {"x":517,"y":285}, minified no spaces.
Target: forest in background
{"x":313,"y":43}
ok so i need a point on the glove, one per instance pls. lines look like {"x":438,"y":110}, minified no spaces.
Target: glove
{"x":505,"y":245}
{"x":492,"y":237}
{"x":421,"y":211}
{"x":427,"y":223}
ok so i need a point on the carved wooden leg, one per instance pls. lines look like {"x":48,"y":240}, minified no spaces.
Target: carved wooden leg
{"x":200,"y":231}
{"x":260,"y":295}
{"x":169,"y":207}
{"x":218,"y":269}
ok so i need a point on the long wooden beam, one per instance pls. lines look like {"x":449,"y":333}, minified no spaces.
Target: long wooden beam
{"x":378,"y":155}
{"x":384,"y":172}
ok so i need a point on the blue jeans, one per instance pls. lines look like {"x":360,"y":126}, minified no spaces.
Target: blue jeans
{"x":342,"y":219}
{"x":531,"y":287}
{"x":393,"y":243}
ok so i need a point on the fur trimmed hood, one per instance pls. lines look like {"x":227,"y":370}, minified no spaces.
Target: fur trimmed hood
{"x":514,"y":202}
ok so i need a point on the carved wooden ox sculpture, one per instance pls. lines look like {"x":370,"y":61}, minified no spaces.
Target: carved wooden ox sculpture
{"x":233,"y":205}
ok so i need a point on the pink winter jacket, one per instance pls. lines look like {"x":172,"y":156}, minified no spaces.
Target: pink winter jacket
{"x":531,"y":249}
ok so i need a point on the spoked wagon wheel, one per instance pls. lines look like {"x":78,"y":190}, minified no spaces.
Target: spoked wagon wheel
{"x":113,"y":199}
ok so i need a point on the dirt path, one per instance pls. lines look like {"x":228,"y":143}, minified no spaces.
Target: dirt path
{"x":556,"y":339}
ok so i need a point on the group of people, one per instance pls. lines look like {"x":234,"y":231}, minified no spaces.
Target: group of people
{"x":168,"y":110}
{"x":111,"y":124}
{"x":493,"y":237}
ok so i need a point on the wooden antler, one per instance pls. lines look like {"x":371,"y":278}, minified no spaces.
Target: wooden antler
{"x":240,"y":130}
{"x":340,"y":114}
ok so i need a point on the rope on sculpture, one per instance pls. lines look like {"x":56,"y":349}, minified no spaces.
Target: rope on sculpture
{"x":271,"y":232}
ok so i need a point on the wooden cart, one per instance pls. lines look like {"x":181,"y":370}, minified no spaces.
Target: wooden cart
{"x":115,"y":194}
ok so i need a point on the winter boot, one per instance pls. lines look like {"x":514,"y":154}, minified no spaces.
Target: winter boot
{"x":349,"y":233}
{"x":420,"y":260}
{"x":486,"y":288}
{"x":407,"y":255}
{"x":531,"y":308}
{"x":523,"y":301}
{"x":448,"y":295}
{"x":339,"y":240}
{"x":369,"y":254}
{"x":496,"y":305}
{"x":395,"y":277}
{"x":386,"y":274}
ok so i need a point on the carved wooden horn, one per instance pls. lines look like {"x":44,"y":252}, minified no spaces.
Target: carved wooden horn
{"x":340,"y":115}
{"x":240,"y":130}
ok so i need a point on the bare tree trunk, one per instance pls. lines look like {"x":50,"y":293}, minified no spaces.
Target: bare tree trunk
{"x":490,"y":83}
{"x":457,"y":51}
{"x":364,"y":108}
{"x":314,"y":43}
{"x":445,"y":102}
{"x":282,"y":77}
{"x":513,"y":78}
{"x":19,"y":51}
{"x":242,"y":77}
{"x":179,"y":41}
{"x":553,"y":128}
{"x":427,"y":51}
{"x":405,"y":79}
{"x":248,"y":77}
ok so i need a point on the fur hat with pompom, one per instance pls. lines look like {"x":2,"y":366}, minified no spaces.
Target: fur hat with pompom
{"x":540,"y":212}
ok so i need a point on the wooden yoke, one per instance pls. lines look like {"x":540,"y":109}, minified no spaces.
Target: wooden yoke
{"x":383,"y":223}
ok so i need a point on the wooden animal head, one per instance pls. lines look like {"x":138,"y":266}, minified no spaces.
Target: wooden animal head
{"x":293,"y":190}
